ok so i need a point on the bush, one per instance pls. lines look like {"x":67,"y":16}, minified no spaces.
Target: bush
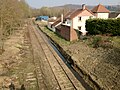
{"x":103,"y":26}
{"x":96,"y":41}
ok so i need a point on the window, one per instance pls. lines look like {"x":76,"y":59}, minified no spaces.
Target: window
{"x":79,"y":28}
{"x":79,"y":18}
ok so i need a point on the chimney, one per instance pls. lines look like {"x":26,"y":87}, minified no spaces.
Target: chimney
{"x":61,"y":17}
{"x":83,"y":6}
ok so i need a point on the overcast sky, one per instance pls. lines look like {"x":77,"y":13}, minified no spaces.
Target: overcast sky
{"x":50,"y":3}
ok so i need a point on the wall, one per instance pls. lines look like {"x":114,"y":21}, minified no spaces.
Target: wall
{"x":67,"y":22}
{"x":73,"y":33}
{"x":63,"y":31}
{"x":67,"y":32}
{"x":102,"y":15}
{"x":49,"y":25}
{"x":81,"y":23}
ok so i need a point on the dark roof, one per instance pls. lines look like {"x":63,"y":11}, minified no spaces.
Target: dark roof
{"x":100,"y":9}
{"x":57,"y":22}
{"x":63,"y":27}
{"x":113,"y":15}
{"x":59,"y":19}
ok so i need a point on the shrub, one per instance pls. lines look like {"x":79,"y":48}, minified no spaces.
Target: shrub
{"x":96,"y":41}
{"x":103,"y":26}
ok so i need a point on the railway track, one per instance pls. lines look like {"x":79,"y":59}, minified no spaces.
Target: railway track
{"x":51,"y":71}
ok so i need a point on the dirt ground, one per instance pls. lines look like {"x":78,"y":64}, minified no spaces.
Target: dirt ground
{"x":103,"y":65}
{"x":15,"y":62}
{"x":10,"y":58}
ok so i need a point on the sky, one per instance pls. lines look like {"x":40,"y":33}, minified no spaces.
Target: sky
{"x":51,"y":3}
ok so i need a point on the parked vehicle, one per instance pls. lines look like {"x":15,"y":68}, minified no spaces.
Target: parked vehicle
{"x":42,"y":18}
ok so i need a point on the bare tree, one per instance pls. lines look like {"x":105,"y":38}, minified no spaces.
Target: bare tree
{"x":12,"y":16}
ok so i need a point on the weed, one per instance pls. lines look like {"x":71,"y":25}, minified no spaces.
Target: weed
{"x":96,"y":41}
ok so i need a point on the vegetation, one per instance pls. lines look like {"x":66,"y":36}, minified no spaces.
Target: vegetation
{"x":106,"y":42}
{"x":95,"y":41}
{"x":49,"y":11}
{"x":12,"y":15}
{"x":57,"y":38}
{"x":53,"y":35}
{"x":101,"y":26}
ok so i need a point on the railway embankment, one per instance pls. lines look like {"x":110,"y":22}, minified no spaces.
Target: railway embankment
{"x":99,"y":67}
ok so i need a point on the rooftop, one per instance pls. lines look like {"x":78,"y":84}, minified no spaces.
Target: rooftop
{"x":100,"y":9}
{"x":113,"y":14}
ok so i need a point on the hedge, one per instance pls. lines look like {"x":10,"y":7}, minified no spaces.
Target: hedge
{"x":103,"y":26}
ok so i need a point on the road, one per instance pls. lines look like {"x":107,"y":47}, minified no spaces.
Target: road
{"x":51,"y":73}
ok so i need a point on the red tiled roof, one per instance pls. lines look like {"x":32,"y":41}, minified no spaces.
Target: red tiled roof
{"x":75,"y":13}
{"x":71,"y":15}
{"x":100,"y":9}
{"x":78,"y":11}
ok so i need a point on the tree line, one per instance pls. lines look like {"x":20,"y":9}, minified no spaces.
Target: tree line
{"x":12,"y":16}
{"x":14,"y":12}
{"x":49,"y":11}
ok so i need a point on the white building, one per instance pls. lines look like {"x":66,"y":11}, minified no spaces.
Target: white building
{"x":77,"y":19}
{"x":69,"y":25}
{"x":101,"y":12}
{"x":59,"y":21}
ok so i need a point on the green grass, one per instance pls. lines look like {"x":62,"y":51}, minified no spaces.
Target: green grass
{"x":55,"y":37}
{"x":103,"y":41}
{"x":116,"y":41}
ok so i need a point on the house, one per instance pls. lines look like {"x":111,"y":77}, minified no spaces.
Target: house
{"x":78,"y":18}
{"x":50,"y":22}
{"x":101,"y":12}
{"x":59,"y":21}
{"x":74,"y":23}
{"x":114,"y":15}
{"x":55,"y":24}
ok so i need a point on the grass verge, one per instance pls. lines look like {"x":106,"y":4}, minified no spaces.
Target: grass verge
{"x":58,"y":39}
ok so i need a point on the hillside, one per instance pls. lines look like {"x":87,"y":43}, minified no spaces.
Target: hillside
{"x":74,"y":6}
